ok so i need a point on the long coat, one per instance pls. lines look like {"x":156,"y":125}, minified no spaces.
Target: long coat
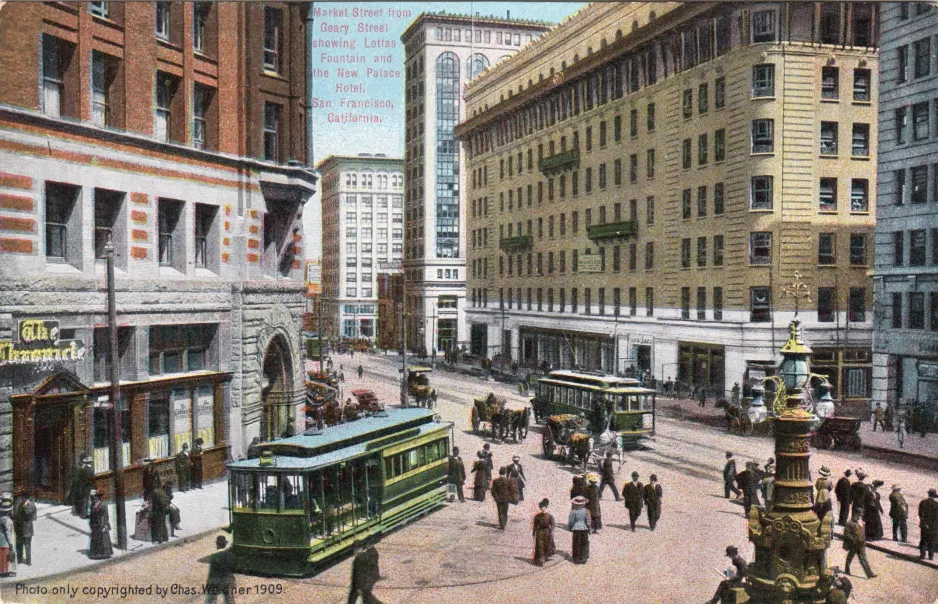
{"x":842,"y":490}
{"x":23,"y":517}
{"x":633,"y":494}
{"x":457,"y":470}
{"x":542,"y":529}
{"x":160,"y":502}
{"x":481,"y":475}
{"x":859,"y":494}
{"x":502,"y":490}
{"x":872,"y":517}
{"x":898,"y":508}
{"x":928,"y":518}
{"x":652,"y":496}
{"x":100,"y":532}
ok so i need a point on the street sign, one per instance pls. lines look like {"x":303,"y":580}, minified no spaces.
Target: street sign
{"x":590,"y":263}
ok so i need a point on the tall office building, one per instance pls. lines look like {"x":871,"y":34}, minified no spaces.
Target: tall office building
{"x":175,"y":131}
{"x":905,"y":348}
{"x":362,"y":236}
{"x":442,"y":53}
{"x":647,"y":181}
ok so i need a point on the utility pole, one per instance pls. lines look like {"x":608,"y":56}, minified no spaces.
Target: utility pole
{"x":117,"y":467}
{"x":403,"y":351}
{"x":319,"y":328}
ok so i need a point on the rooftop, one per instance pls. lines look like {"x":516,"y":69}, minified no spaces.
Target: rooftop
{"x":459,"y":18}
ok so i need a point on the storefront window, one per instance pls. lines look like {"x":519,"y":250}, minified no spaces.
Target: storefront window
{"x":158,"y":427}
{"x":101,"y":437}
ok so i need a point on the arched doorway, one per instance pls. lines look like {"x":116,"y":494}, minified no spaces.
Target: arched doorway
{"x":276,"y":388}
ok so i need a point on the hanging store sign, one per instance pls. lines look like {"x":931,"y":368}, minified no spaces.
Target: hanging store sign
{"x":38,"y":342}
{"x":590,"y":263}
{"x":927,"y":371}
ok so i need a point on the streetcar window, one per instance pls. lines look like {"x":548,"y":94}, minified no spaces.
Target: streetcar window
{"x":316,"y":505}
{"x":267,"y":492}
{"x":421,"y":457}
{"x":646,"y":402}
{"x":291,"y":486}
{"x":241,"y":491}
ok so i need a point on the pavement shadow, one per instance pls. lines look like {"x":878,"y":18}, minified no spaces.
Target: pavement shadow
{"x":71,"y":526}
{"x":623,"y":527}
{"x":493,"y":525}
{"x":526,"y":560}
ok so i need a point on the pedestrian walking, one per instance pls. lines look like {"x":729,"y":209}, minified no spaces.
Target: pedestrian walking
{"x":84,"y":476}
{"x":928,"y":523}
{"x":729,"y":477}
{"x":489,"y":464}
{"x":859,"y":493}
{"x":182,"y":464}
{"x":842,"y":491}
{"x":578,"y":522}
{"x":734,"y":577}
{"x":701,"y":397}
{"x":542,"y":529}
{"x":361,"y":371}
{"x":579,"y":487}
{"x":855,"y":544}
{"x":159,"y":506}
{"x":172,"y":510}
{"x":503,"y":493}
{"x":653,"y":495}
{"x":768,"y":481}
{"x":822,"y":498}
{"x":6,"y":536}
{"x":592,"y":503}
{"x":100,"y":548}
{"x":873,"y":513}
{"x":480,"y":482}
{"x":24,"y":514}
{"x":878,"y":417}
{"x":516,"y":476}
{"x":899,"y":514}
{"x":365,"y":574}
{"x":341,"y":375}
{"x":749,"y":480}
{"x":607,"y":476}
{"x":457,"y":473}
{"x":221,"y":578}
{"x":633,"y":495}
{"x":196,"y":459}
{"x":901,"y":432}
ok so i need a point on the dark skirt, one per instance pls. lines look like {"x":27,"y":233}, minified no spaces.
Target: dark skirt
{"x":581,"y":546}
{"x":874,"y":524}
{"x":100,"y":544}
{"x":544,"y":546}
{"x":479,"y":493}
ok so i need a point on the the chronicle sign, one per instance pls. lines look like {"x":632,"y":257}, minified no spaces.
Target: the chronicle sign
{"x":590,"y":263}
{"x":38,"y":341}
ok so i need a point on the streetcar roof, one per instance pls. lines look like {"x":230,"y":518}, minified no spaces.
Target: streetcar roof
{"x":291,"y":463}
{"x":582,"y":379}
{"x":419,"y":369}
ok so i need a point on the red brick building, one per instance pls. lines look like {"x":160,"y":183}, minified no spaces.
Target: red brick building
{"x":178,"y":132}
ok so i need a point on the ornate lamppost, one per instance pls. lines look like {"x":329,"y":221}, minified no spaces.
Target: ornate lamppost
{"x":791,"y":541}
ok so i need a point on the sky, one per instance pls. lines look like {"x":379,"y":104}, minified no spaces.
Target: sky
{"x":331,"y":137}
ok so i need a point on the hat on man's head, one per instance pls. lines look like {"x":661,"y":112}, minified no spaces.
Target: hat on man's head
{"x":634,"y":474}
{"x":653,"y":478}
{"x":896,"y":487}
{"x":221,"y":542}
{"x":824,"y":471}
{"x":455,"y":450}
{"x":878,"y":483}
{"x":731,"y":550}
{"x":932,"y":493}
{"x":848,"y":473}
{"x":860,"y":474}
{"x":515,"y":458}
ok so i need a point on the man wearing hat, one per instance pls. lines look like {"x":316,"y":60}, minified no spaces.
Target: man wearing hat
{"x":24,"y":514}
{"x":928,"y":521}
{"x":633,"y":495}
{"x":842,"y":491}
{"x":365,"y":573}
{"x":503,"y":494}
{"x":653,"y":496}
{"x":457,"y":473}
{"x":822,"y":500}
{"x":608,"y":477}
{"x":221,"y":578}
{"x":516,"y":476}
{"x":578,"y":522}
{"x":6,"y":534}
{"x":855,"y":543}
{"x":899,"y":513}
{"x":84,"y":476}
{"x":592,"y":503}
{"x":729,"y":476}
{"x":196,"y":458}
{"x":725,"y":589}
{"x":860,"y":493}
{"x":182,"y":468}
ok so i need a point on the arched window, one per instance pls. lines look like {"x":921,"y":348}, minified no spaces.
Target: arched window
{"x":447,"y":156}
{"x":476,"y":64}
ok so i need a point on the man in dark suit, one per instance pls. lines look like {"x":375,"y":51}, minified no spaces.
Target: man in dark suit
{"x":503,"y":492}
{"x":653,"y":494}
{"x":725,"y":589}
{"x":608,"y":476}
{"x":729,"y":476}
{"x":24,"y":514}
{"x":860,"y":492}
{"x":365,"y":573}
{"x":633,"y":494}
{"x":196,"y":457}
{"x":182,"y":468}
{"x":457,"y":472}
{"x":855,"y":542}
{"x":221,"y":579}
{"x":842,"y":492}
{"x":928,"y":521}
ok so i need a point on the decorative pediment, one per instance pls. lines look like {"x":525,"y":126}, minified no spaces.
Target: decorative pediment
{"x":61,"y":382}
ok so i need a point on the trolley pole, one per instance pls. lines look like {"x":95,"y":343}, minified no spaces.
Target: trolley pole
{"x":117,"y":467}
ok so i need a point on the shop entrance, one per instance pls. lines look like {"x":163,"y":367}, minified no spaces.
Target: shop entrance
{"x":52,"y":442}
{"x":276,"y":396}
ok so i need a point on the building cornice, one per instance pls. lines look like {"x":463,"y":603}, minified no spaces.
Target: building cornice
{"x":456,"y":19}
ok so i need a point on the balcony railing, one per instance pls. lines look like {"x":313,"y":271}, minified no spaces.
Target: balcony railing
{"x":612,"y":230}
{"x":512,"y":244}
{"x":564,"y":159}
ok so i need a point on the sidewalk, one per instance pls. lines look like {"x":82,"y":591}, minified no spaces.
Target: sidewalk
{"x":908,"y":551}
{"x":61,"y":540}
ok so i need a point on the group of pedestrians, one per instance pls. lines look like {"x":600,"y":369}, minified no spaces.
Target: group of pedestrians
{"x":750,"y":483}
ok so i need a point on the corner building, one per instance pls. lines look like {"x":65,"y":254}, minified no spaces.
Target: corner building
{"x":442,"y":52}
{"x":905,"y":348}
{"x":362,"y":237}
{"x":140,"y":123}
{"x":646,"y":180}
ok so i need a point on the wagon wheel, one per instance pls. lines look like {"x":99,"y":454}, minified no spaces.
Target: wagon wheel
{"x":745,"y":424}
{"x":474,"y":419}
{"x":525,"y":420}
{"x":735,"y":426}
{"x":547,"y":442}
{"x":854,"y":443}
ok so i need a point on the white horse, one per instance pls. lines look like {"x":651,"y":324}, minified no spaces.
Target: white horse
{"x":607,"y":441}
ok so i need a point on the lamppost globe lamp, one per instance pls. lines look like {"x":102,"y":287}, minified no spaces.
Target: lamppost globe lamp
{"x":825,"y":405}
{"x":794,"y":371}
{"x":757,"y":410}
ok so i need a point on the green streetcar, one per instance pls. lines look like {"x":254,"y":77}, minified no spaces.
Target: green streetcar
{"x":618,"y":402}
{"x":311,"y":496}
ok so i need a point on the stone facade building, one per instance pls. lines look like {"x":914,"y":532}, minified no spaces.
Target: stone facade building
{"x":905,"y":347}
{"x":645,"y":181}
{"x":362,"y":236}
{"x":442,"y":52}
{"x":139,"y":124}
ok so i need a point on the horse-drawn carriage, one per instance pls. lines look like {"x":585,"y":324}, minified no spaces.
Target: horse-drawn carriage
{"x":738,"y":420}
{"x":367,"y":401}
{"x":567,"y":436}
{"x":493,"y":409}
{"x":419,"y":388}
{"x":838,"y":432}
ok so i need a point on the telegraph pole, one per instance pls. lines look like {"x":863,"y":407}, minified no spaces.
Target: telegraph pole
{"x":117,"y":467}
{"x":403,"y":351}
{"x":319,"y":328}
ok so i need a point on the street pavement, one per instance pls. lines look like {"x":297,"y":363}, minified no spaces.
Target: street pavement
{"x":457,"y":554}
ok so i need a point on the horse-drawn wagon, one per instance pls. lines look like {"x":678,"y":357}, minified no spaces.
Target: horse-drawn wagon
{"x":367,"y":401}
{"x":838,"y":432}
{"x":419,"y":388}
{"x":567,"y":436}
{"x":502,"y":420}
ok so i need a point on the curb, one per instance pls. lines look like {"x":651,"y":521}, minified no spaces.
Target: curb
{"x":114,"y":559}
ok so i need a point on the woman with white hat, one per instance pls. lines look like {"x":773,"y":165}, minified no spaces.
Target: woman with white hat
{"x":579,"y":523}
{"x":6,"y":534}
{"x":822,"y":500}
{"x":100,"y":548}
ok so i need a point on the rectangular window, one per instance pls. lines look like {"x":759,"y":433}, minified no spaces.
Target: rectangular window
{"x":685,"y":303}
{"x":827,"y":195}
{"x":649,"y":302}
{"x":920,"y":121}
{"x":162,"y":113}
{"x":763,"y":80}
{"x":633,"y":123}
{"x":899,"y":124}
{"x":862,"y":84}
{"x":719,"y":145}
{"x":718,"y":199}
{"x":760,"y":304}
{"x":273,"y":44}
{"x":703,"y":99}
{"x":633,"y":301}
{"x":650,"y":117}
{"x":898,"y":248}
{"x":617,"y":128}
{"x":602,"y":177}
{"x":633,"y":256}
{"x":701,"y":202}
{"x":859,"y":195}
{"x":107,"y":227}
{"x":701,"y":303}
{"x":922,"y":51}
{"x":897,"y":310}
{"x":99,"y":9}
{"x":829,"y":138}
{"x":718,"y":250}
{"x":717,"y":303}
{"x":201,"y":103}
{"x":161,"y":26}
{"x":763,"y":26}
{"x":688,"y":103}
{"x":763,"y":136}
{"x":826,"y":251}
{"x":761,"y":193}
{"x":685,"y":204}
{"x":861,"y":140}
{"x":650,"y":210}
{"x":271,"y":132}
{"x":685,"y":253}
{"x":103,"y":71}
{"x":719,"y":93}
{"x":701,"y":252}
{"x":919,"y":182}
{"x":858,"y":249}
{"x":825,"y":304}
{"x":933,"y":310}
{"x":650,"y":163}
{"x":902,"y":63}
{"x":686,"y":154}
{"x":61,"y":217}
{"x":649,"y":255}
{"x":918,"y":243}
{"x":171,"y":238}
{"x":702,"y":146}
{"x":760,"y":248}
{"x":916,"y":310}
{"x":830,"y":83}
{"x":602,"y":134}
{"x":857,"y":309}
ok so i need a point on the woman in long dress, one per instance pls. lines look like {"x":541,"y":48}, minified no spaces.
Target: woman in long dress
{"x":579,"y":523}
{"x":822,"y":497}
{"x":100,"y":548}
{"x":542,"y":528}
{"x":872,"y":516}
{"x":480,"y":482}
